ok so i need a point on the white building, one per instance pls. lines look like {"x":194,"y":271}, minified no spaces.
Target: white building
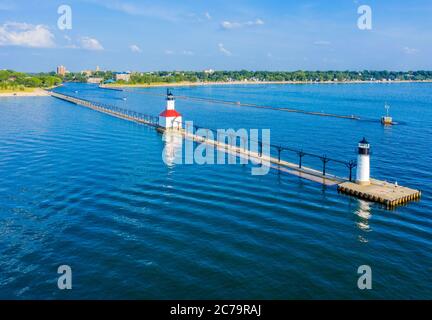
{"x":125,"y":76}
{"x":170,"y":118}
{"x":94,"y":80}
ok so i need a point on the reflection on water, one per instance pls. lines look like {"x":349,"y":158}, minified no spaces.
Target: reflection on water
{"x":363,"y":213}
{"x":172,"y":153}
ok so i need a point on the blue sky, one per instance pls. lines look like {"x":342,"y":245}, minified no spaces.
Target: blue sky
{"x":199,"y":34}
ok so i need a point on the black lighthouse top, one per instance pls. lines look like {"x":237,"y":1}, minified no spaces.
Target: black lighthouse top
{"x":364,"y":141}
{"x":363,"y":147}
{"x":169,"y":95}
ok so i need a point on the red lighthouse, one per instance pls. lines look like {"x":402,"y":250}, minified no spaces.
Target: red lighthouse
{"x":170,"y":118}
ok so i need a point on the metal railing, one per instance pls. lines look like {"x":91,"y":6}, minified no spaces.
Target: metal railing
{"x":154,"y":120}
{"x":130,"y":114}
{"x":280,"y":149}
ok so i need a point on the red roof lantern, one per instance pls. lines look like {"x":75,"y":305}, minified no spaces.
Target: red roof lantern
{"x":170,"y":113}
{"x":170,"y":118}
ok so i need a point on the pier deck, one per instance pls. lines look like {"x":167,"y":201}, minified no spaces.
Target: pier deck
{"x":283,"y":166}
{"x":386,"y":193}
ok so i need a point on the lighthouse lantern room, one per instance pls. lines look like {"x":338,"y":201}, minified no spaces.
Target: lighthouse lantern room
{"x":363,"y":163}
{"x":170,"y":118}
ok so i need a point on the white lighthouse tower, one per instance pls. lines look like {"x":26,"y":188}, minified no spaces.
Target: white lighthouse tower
{"x":363,"y":163}
{"x":170,"y":118}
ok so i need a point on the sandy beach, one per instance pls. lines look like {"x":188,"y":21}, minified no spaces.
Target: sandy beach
{"x":34,"y":93}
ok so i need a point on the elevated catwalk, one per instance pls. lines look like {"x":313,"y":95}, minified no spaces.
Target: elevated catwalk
{"x":374,"y":190}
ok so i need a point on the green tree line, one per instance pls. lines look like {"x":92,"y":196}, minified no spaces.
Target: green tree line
{"x":10,"y":79}
{"x":245,"y":75}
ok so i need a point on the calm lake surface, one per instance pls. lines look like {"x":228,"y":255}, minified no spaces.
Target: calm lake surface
{"x":91,"y":191}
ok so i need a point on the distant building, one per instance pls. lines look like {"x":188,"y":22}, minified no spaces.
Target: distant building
{"x":94,"y":80}
{"x":125,"y":76}
{"x":61,"y":70}
{"x":209,"y":71}
{"x":88,"y":73}
{"x":97,"y":69}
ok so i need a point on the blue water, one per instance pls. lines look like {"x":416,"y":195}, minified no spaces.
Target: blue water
{"x":91,"y":191}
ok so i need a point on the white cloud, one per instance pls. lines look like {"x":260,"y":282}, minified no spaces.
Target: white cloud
{"x":90,"y":44}
{"x":26,"y":35}
{"x":257,"y":22}
{"x":188,"y":53}
{"x":135,"y":48}
{"x":228,"y":25}
{"x":409,"y":50}
{"x":208,"y":16}
{"x":322,"y":43}
{"x":70,"y":44}
{"x":224,"y":50}
{"x":184,"y":52}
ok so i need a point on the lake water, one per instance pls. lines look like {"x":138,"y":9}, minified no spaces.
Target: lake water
{"x":91,"y":191}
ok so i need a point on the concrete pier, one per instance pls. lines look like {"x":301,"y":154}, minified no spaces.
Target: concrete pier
{"x":282,"y":165}
{"x":386,"y":193}
{"x":382,"y":192}
{"x":113,"y":111}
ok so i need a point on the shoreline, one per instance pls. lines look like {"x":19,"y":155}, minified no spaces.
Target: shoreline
{"x":37,"y":92}
{"x":214,"y":83}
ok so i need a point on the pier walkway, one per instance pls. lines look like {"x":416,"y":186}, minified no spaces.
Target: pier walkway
{"x":110,"y":109}
{"x":382,"y":192}
{"x":276,"y":162}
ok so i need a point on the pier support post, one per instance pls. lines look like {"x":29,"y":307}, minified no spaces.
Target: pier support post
{"x":325,"y":160}
{"x":279,"y":149}
{"x":351,"y":165}
{"x":301,"y":154}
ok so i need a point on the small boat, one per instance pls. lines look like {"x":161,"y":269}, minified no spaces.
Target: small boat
{"x":387,"y":120}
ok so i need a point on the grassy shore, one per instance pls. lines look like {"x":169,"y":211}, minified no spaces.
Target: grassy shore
{"x":187,"y":83}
